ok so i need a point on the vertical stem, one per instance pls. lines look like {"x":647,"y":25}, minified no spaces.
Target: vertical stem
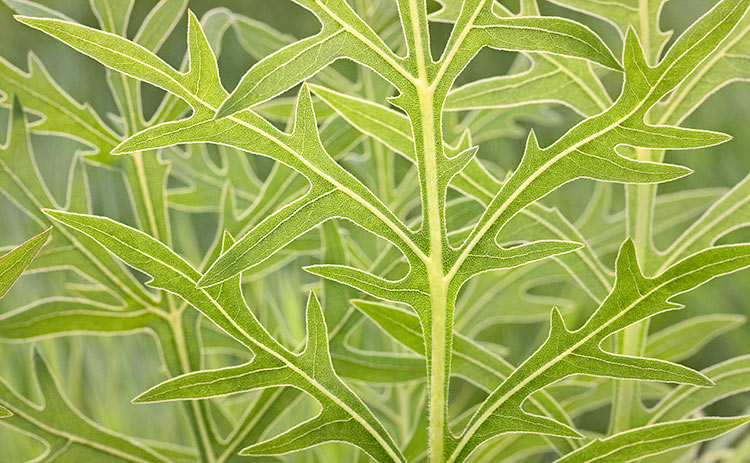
{"x":427,"y":123}
{"x":438,"y":386}
{"x":441,"y":316}
{"x":193,"y":408}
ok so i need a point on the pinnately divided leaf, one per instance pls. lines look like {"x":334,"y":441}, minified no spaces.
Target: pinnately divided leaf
{"x":66,"y":431}
{"x":273,"y":365}
{"x":343,"y":35}
{"x":633,"y":298}
{"x":353,"y":254}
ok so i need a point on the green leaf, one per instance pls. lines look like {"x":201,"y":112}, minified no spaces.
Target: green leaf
{"x":69,"y":316}
{"x":113,"y":15}
{"x":61,"y":114}
{"x":394,"y":130}
{"x":731,"y":378}
{"x":643,"y":16}
{"x":68,"y":433}
{"x":727,"y":64}
{"x":493,"y":257}
{"x":260,"y":40}
{"x":652,"y":440}
{"x":343,"y":35}
{"x":730,"y":212}
{"x":310,"y":371}
{"x":589,"y":148}
{"x":201,"y":82}
{"x":557,"y":36}
{"x":22,"y":182}
{"x":549,"y":79}
{"x":668,"y":344}
{"x":159,"y":23}
{"x":566,"y":352}
{"x":29,"y":8}
{"x":201,"y":88}
{"x":13,"y":264}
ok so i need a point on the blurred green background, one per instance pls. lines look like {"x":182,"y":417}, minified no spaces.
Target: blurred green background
{"x":95,"y":371}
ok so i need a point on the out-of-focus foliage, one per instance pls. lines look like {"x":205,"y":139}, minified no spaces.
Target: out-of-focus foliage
{"x":262,"y":227}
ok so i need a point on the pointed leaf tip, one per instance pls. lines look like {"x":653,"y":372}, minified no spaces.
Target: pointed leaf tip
{"x":15,"y":262}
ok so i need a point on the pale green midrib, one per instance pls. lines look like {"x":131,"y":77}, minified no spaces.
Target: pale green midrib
{"x":489,"y":195}
{"x":467,"y":435}
{"x":374,"y":210}
{"x":418,"y":42}
{"x":393,"y":454}
{"x":543,"y":168}
{"x":447,"y":59}
{"x":437,"y":285}
{"x":377,"y":49}
{"x":438,"y":359}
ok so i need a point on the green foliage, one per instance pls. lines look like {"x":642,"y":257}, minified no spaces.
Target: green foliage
{"x":12,"y":266}
{"x":349,"y":169}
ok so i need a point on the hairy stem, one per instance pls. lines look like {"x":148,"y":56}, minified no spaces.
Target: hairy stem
{"x":438,"y":286}
{"x":429,"y":149}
